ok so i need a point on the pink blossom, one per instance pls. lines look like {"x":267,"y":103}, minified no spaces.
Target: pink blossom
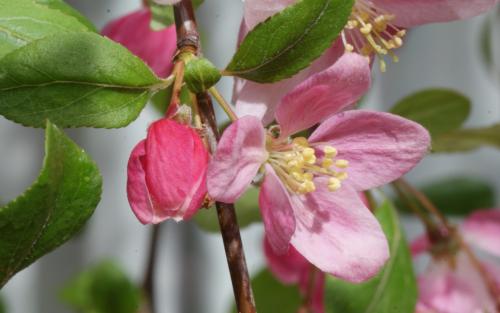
{"x":451,"y":283}
{"x":156,"y":48}
{"x":388,"y":20}
{"x":309,"y":192}
{"x":167,"y":173}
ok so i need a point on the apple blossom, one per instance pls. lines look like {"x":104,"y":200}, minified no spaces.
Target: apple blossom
{"x":309,"y":193}
{"x":156,"y":48}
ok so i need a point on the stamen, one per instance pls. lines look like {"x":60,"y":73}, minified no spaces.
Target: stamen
{"x":373,"y":27}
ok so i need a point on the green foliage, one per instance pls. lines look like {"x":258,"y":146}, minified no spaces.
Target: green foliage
{"x":457,"y":195}
{"x":271,"y":296}
{"x":68,"y":10}
{"x":247,"y":208}
{"x":104,"y":288}
{"x":163,"y":15}
{"x":3,"y":308}
{"x":393,"y":290}
{"x":53,"y":209}
{"x":200,"y":74}
{"x":74,"y":79}
{"x":438,"y":110}
{"x":23,"y":21}
{"x":463,"y":140}
{"x":289,"y":41}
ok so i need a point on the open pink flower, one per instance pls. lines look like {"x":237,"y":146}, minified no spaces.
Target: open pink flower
{"x":374,"y":27}
{"x":453,"y":284}
{"x":309,"y":193}
{"x":156,"y":48}
{"x":167,"y":173}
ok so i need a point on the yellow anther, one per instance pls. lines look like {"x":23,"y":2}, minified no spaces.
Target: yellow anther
{"x":308,"y":176}
{"x":341,"y":163}
{"x":298,"y":176}
{"x":327,"y":163}
{"x":349,"y":48}
{"x":365,"y":30}
{"x":334,"y":184}
{"x":330,"y":151}
{"x":342,"y":175}
{"x":311,"y":160}
{"x":309,"y":186}
{"x":293,"y":163}
{"x":308,"y":152}
{"x":289,"y":156}
{"x":301,"y":141}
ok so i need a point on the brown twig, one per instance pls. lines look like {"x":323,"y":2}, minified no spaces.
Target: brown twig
{"x":148,"y":284}
{"x":188,"y":40}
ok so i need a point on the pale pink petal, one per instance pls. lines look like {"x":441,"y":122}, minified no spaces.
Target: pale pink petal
{"x":482,"y":228}
{"x":288,"y":267}
{"x":239,"y":155}
{"x":324,"y":94}
{"x":137,"y":192}
{"x":338,"y":234}
{"x":380,"y":147}
{"x":420,"y":245}
{"x":416,"y":12}
{"x":156,"y":48}
{"x":256,"y":11}
{"x":318,"y":292}
{"x":261,"y":100}
{"x":277,"y":212}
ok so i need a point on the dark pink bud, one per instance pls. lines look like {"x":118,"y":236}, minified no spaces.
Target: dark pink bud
{"x":167,"y":173}
{"x":156,"y":48}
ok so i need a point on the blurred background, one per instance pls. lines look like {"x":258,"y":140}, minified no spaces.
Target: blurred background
{"x":192,"y":274}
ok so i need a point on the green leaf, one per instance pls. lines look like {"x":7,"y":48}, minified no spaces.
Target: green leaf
{"x":3,"y":308}
{"x":247,"y":208}
{"x":393,"y":290}
{"x":23,"y":21}
{"x":163,"y":15}
{"x":68,"y":10}
{"x":438,"y":110}
{"x":53,"y":209}
{"x":104,"y":288}
{"x":289,"y":41}
{"x":74,"y":79}
{"x":200,"y":74}
{"x":457,"y":195}
{"x":463,"y":140}
{"x":271,"y":296}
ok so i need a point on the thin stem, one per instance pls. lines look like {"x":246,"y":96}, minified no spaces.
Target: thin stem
{"x":188,"y":41}
{"x":223,"y":104}
{"x":429,"y":224}
{"x":148,"y":284}
{"x":178,"y":73}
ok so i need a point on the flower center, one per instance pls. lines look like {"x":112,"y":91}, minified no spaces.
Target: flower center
{"x":369,"y":30}
{"x":297,"y":164}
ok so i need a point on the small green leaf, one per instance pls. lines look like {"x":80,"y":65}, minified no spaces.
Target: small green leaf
{"x":53,"y":209}
{"x":457,"y":195}
{"x":163,"y":15}
{"x":3,"y":308}
{"x":68,"y":10}
{"x":438,"y":110}
{"x":23,"y":21}
{"x":247,"y":209}
{"x":289,"y":41}
{"x":463,"y":140}
{"x":74,"y":79}
{"x":104,"y":288}
{"x":271,"y":296}
{"x":200,"y":74}
{"x":393,"y":290}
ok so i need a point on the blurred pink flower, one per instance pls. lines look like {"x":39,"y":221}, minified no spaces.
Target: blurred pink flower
{"x":454,"y":284}
{"x":309,"y":194}
{"x":156,"y":48}
{"x":374,"y":27}
{"x":167,"y":173}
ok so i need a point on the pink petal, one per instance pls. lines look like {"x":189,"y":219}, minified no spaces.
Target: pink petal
{"x":156,"y":48}
{"x":380,"y":147}
{"x":482,"y":228}
{"x":256,"y":11}
{"x":338,"y":234}
{"x":416,"y":12}
{"x":288,"y":267}
{"x":137,"y":192}
{"x":239,"y":155}
{"x":324,"y":94}
{"x":420,"y":245}
{"x":261,"y":99}
{"x":277,"y":212}
{"x":175,"y":160}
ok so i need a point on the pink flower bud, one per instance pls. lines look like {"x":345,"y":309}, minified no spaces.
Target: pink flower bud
{"x":156,"y":48}
{"x":167,"y":173}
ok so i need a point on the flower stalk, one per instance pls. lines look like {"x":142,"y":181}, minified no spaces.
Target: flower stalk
{"x":188,"y":41}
